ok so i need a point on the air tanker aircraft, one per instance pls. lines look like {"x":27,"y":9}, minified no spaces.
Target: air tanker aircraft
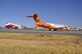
{"x":49,"y":26}
{"x":13,"y":26}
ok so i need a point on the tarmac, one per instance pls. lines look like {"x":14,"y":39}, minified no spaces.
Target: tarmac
{"x":31,"y":31}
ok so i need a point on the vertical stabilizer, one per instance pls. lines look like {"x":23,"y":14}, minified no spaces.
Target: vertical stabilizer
{"x":35,"y":17}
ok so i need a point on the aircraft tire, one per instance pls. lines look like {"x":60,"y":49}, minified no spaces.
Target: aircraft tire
{"x":49,"y":29}
{"x":55,"y":29}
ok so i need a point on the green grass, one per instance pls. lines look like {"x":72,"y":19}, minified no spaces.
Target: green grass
{"x":16,"y":43}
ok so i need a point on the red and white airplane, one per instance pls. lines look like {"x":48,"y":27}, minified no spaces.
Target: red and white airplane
{"x":50,"y":26}
{"x":13,"y":26}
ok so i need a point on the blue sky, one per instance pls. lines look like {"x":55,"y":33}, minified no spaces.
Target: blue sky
{"x":67,"y":12}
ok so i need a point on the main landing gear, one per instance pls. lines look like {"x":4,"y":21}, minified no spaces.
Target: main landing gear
{"x":53,"y":29}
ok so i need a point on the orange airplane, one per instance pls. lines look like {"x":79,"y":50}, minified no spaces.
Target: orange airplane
{"x":50,"y":26}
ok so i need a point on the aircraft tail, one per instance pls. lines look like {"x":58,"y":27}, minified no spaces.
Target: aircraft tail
{"x":35,"y":17}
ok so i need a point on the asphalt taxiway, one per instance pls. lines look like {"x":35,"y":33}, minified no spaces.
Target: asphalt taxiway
{"x":30,"y":31}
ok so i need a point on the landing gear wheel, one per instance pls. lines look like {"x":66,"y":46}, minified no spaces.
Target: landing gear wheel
{"x":49,"y":29}
{"x":55,"y":29}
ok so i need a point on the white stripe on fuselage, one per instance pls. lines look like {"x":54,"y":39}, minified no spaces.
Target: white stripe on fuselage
{"x":56,"y":25}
